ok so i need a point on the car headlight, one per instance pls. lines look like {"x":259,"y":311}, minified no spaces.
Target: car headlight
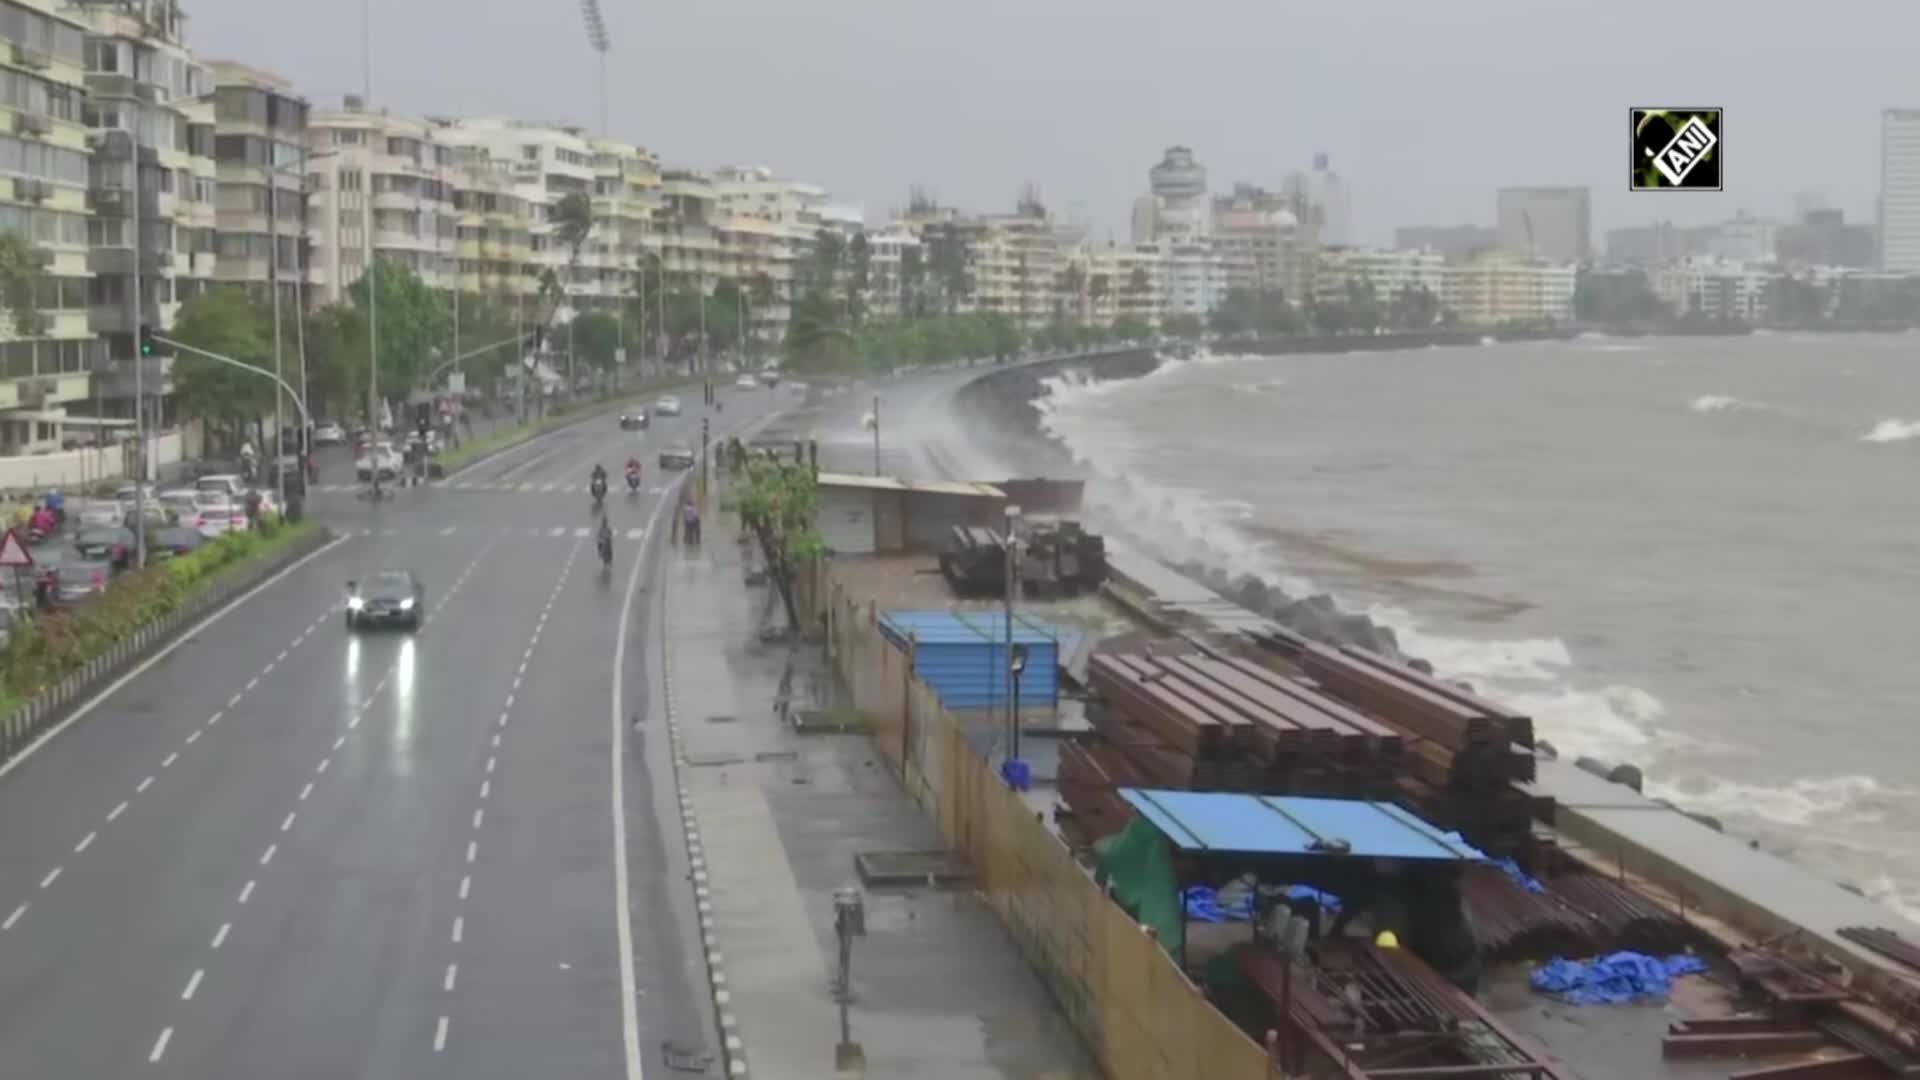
{"x":407,"y":604}
{"x":354,"y":603}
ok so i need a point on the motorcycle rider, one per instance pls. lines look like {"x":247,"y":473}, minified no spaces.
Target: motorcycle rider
{"x":597,"y":486}
{"x":605,"y":543}
{"x":42,"y":522}
{"x":633,"y":472}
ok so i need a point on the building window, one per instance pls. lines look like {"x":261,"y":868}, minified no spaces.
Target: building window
{"x":348,"y":137}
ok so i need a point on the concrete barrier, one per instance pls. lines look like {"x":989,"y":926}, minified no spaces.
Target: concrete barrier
{"x":1132,"y":1005}
{"x":23,"y":724}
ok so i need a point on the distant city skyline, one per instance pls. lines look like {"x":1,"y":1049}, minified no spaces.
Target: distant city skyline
{"x":1425,"y":110}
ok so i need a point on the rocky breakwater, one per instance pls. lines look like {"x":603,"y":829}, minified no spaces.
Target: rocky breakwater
{"x":1001,"y":409}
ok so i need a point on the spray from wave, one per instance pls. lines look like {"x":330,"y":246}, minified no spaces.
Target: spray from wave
{"x":1890,"y":431}
{"x":1579,"y":713}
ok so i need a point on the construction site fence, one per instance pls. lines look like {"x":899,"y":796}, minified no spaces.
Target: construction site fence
{"x":1137,"y":1012}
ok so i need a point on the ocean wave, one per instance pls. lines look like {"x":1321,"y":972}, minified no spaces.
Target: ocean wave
{"x":1887,"y":431}
{"x":1538,"y":676}
{"x":1713,"y":403}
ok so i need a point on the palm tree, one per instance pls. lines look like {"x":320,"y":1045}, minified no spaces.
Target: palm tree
{"x":859,"y":265}
{"x":913,"y":275}
{"x":1073,"y":282}
{"x":572,"y":220}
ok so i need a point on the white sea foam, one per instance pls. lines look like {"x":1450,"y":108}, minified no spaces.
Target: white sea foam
{"x":1887,"y":431}
{"x":1537,"y":676}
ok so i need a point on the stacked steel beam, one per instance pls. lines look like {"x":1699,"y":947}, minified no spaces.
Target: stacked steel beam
{"x":1574,"y":914}
{"x":1366,"y":1011}
{"x":1465,"y":755}
{"x":1205,"y":723}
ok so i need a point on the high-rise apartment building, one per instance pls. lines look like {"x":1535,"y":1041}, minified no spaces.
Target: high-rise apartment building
{"x":1260,"y":242}
{"x":146,"y":102}
{"x":1900,"y":191}
{"x":1551,"y":223}
{"x":378,"y":186}
{"x":259,"y":140}
{"x":44,"y":157}
{"x":1322,"y":201}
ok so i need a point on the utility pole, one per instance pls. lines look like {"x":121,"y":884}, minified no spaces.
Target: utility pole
{"x":300,"y":309}
{"x":139,"y":368}
{"x":273,"y":283}
{"x":373,"y":279}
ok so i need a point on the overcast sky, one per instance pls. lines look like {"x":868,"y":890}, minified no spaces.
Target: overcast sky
{"x":1426,"y":106}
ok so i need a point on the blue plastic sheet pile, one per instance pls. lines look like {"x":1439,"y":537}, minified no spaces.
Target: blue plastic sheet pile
{"x":1613,"y":979}
{"x":1519,"y":877}
{"x":1234,"y":903}
{"x":1204,"y":905}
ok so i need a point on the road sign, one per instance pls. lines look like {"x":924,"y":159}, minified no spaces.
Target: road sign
{"x":457,"y":383}
{"x":13,"y":553}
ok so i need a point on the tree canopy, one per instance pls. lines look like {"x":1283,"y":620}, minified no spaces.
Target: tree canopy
{"x":229,"y":321}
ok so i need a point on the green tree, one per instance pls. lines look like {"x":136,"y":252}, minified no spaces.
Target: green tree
{"x":1792,"y":301}
{"x":1182,"y":326}
{"x":776,"y":502}
{"x":1131,"y":328}
{"x":414,"y":323}
{"x":228,"y":321}
{"x":913,"y":283}
{"x":596,"y":338}
{"x":859,"y":271}
{"x":23,"y":267}
{"x":816,"y":340}
{"x":1413,"y":308}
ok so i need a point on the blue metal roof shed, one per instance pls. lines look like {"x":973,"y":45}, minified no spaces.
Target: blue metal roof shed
{"x":1225,"y":823}
{"x":962,"y":655}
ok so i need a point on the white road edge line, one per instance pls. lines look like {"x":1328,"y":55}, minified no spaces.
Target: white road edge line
{"x":146,"y":665}
{"x":52,"y":876}
{"x":622,"y":887}
{"x":85,"y":843}
{"x":116,"y":811}
{"x":246,"y":891}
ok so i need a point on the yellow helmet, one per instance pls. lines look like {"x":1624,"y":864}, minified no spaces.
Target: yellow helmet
{"x":1386,"y":939}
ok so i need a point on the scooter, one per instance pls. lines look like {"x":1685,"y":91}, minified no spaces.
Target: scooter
{"x":633,"y":481}
{"x":599,"y":491}
{"x":606,"y":552}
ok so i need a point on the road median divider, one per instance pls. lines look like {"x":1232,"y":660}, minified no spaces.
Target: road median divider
{"x":52,"y":661}
{"x":451,"y":461}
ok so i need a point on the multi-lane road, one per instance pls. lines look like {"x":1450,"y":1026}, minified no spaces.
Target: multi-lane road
{"x":284,"y":850}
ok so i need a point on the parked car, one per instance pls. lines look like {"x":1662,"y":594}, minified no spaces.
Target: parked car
{"x":746,"y":382}
{"x":216,"y":514}
{"x":77,"y":579}
{"x":676,"y":457}
{"x":329,"y":434}
{"x":182,"y":503}
{"x":230,"y":484}
{"x":173,"y":541}
{"x":95,"y":513}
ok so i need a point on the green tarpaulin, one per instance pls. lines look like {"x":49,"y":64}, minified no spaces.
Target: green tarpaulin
{"x":1137,"y":864}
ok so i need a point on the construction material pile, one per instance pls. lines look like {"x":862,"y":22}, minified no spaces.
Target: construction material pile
{"x":975,"y":562}
{"x":1192,"y":721}
{"x":1465,"y":755}
{"x":1804,"y":1005}
{"x":1385,"y":1012}
{"x":1574,"y":914}
{"x":1060,"y":558}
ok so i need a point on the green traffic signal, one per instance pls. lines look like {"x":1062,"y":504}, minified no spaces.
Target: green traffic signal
{"x":146,"y":340}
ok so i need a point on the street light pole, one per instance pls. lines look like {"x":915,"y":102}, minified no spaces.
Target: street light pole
{"x":139,"y":367}
{"x":273,"y":283}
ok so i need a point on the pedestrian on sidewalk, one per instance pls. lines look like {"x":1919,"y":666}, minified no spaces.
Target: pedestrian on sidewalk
{"x":692,"y":518}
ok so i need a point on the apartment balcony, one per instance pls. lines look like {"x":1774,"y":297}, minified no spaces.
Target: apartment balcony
{"x":108,"y":261}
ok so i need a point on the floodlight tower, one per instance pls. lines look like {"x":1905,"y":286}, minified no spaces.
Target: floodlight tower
{"x":597,"y":37}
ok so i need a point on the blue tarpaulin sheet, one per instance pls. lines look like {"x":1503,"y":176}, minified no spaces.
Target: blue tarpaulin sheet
{"x":1613,"y":979}
{"x":1519,"y":877}
{"x":1203,"y":903}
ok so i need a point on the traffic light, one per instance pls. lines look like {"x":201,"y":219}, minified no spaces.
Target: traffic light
{"x":146,"y":340}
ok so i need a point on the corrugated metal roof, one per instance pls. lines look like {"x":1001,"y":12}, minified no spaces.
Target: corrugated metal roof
{"x":892,"y":483}
{"x":855,"y":480}
{"x":963,"y":656}
{"x":966,"y":628}
{"x":1229,"y":823}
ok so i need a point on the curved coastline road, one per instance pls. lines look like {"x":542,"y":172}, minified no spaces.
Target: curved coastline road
{"x":283,"y":850}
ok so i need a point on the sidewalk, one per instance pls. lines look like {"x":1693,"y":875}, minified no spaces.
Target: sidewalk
{"x":939,"y":990}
